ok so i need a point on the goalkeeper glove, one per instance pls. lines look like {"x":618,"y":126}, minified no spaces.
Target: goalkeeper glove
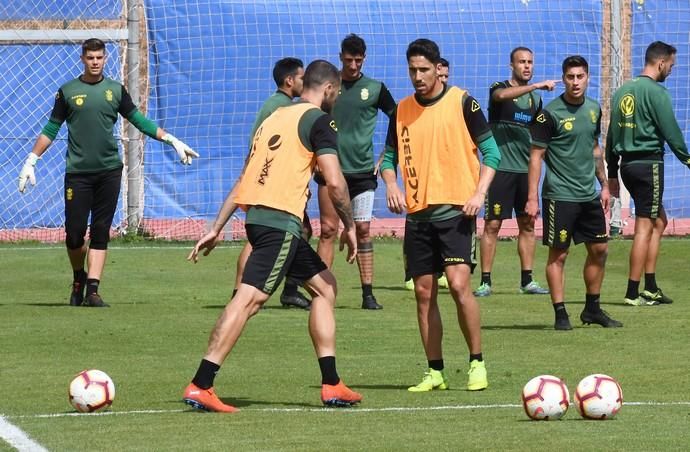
{"x":183,"y":151}
{"x":27,"y":172}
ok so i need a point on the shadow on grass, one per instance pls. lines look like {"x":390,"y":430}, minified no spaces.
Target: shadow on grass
{"x":518,"y":327}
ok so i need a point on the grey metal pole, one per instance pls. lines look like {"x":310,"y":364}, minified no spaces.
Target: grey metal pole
{"x":135,"y":151}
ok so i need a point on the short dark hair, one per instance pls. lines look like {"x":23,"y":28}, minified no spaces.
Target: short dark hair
{"x":92,"y":44}
{"x":285,"y":68}
{"x":575,"y":61}
{"x":354,"y":45}
{"x":319,"y":72}
{"x":426,"y":48}
{"x":443,"y":62}
{"x":519,"y":49}
{"x":657,"y":51}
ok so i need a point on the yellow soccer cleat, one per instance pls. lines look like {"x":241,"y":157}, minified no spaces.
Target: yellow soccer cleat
{"x":433,"y":379}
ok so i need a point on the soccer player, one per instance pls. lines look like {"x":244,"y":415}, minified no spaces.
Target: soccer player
{"x":434,"y":135}
{"x":443,"y":74}
{"x":273,"y":191}
{"x":355,"y":114}
{"x":641,"y":121}
{"x":90,"y":104}
{"x":565,"y":134}
{"x":288,"y":74}
{"x":444,"y":70}
{"x":513,"y":104}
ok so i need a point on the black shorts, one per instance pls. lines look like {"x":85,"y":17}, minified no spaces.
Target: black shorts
{"x":430,"y":246}
{"x":357,"y":183}
{"x":277,"y":254}
{"x":508,"y":192}
{"x":579,"y":221}
{"x":645,"y":182}
{"x":96,"y":194}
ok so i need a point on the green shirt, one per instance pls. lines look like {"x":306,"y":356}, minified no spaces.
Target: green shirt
{"x":509,"y":121}
{"x":274,"y":102}
{"x":355,"y":113}
{"x":569,"y":134}
{"x":641,"y":120}
{"x":91,"y":110}
{"x":318,"y":135}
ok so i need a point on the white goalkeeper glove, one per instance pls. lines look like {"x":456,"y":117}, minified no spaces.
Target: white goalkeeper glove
{"x":27,"y":172}
{"x":183,"y":151}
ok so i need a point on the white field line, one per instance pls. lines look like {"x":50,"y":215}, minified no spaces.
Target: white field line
{"x":328,"y":410}
{"x":15,"y":437}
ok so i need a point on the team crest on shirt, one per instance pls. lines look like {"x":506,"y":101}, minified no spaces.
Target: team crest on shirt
{"x":627,"y":105}
{"x":364,"y":94}
{"x":475,"y":106}
{"x":69,"y":194}
{"x":541,"y":118}
{"x":108,"y":95}
{"x":568,"y":126}
{"x":593,"y":116}
{"x":333,"y":126}
{"x":497,"y":209}
{"x":563,"y":235}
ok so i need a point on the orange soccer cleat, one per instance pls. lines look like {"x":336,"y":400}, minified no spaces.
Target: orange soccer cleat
{"x":339,"y":395}
{"x":205,"y":399}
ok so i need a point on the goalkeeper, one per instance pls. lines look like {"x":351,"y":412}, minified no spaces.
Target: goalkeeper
{"x":90,"y":104}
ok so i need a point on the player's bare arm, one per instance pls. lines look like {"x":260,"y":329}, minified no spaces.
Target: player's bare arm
{"x":475,"y":203}
{"x":533,"y":175}
{"x":513,"y":92}
{"x":600,"y":172}
{"x":337,"y":191}
{"x":209,"y":241}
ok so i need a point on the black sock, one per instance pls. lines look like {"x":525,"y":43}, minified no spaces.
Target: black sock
{"x":633,"y":290}
{"x":476,"y":357}
{"x":650,"y":282}
{"x":205,"y":374}
{"x":525,"y":277}
{"x":79,"y":275}
{"x":329,"y":376}
{"x":290,"y":288}
{"x":486,"y":278}
{"x":92,"y":286}
{"x":592,"y":302}
{"x":559,"y":309}
{"x":367,"y":289}
{"x":436,"y":364}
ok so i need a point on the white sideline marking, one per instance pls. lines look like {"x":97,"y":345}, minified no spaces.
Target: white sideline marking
{"x":325,"y":409}
{"x":16,"y":438}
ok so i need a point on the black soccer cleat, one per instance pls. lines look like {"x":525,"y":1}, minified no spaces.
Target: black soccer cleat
{"x":369,"y":302}
{"x":95,"y":301}
{"x":562,"y":323}
{"x":298,"y":301}
{"x":76,"y":298}
{"x":600,"y":318}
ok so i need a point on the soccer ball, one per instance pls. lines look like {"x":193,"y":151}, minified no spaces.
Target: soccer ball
{"x":91,"y":390}
{"x":598,"y":396}
{"x":545,"y":398}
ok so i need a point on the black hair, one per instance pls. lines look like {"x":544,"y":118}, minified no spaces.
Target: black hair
{"x":443,"y":62}
{"x":575,"y":61}
{"x":92,"y":44}
{"x":354,"y":45}
{"x":319,"y":72}
{"x":285,"y":68}
{"x":658,"y":51}
{"x":426,"y":48}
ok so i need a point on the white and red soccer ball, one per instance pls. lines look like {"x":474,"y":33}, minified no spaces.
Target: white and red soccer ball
{"x":545,"y":398}
{"x":598,"y":396}
{"x":91,"y":390}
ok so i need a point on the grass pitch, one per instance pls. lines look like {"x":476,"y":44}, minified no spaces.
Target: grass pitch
{"x":151,"y":340}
